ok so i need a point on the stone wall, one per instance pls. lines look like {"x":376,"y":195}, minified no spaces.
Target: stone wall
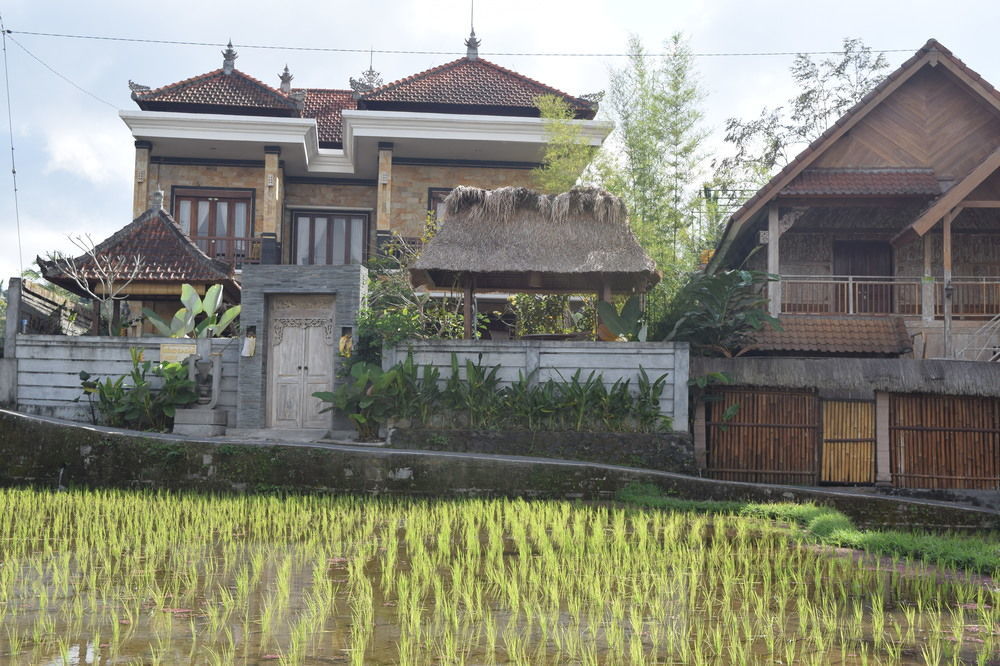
{"x":668,"y":452}
{"x":410,"y":186}
{"x":33,"y":451}
{"x":48,"y":370}
{"x":546,"y":359}
{"x":346,"y":283}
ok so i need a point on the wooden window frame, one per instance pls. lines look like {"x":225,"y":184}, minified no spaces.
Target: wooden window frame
{"x":231,"y":196}
{"x":348,"y":216}
{"x":432,"y":194}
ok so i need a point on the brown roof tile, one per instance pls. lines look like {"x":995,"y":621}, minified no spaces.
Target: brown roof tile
{"x":864,"y":182}
{"x":836,"y":335}
{"x":475,"y":82}
{"x":216,"y":88}
{"x":325,"y":106}
{"x":168,"y":254}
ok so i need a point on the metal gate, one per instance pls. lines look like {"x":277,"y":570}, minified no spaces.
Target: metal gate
{"x":773,"y":436}
{"x":848,"y":442}
{"x":941,"y":441}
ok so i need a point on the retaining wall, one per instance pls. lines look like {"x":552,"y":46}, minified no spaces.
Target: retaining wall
{"x":547,"y":359}
{"x":48,"y":370}
{"x":33,"y":450}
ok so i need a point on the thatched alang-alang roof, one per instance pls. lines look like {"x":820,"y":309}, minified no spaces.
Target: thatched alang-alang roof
{"x":515,"y":239}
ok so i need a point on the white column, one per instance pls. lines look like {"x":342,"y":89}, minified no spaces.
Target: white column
{"x":773,"y":261}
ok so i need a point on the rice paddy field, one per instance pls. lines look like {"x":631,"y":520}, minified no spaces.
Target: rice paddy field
{"x":115,"y":577}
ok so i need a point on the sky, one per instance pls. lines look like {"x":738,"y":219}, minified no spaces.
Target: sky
{"x":75,"y":157}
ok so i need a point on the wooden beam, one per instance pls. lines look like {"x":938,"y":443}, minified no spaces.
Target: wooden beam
{"x":980,"y":204}
{"x":773,"y":260}
{"x":949,"y":200}
{"x":927,"y":284}
{"x":946,"y":266}
{"x":467,"y":310}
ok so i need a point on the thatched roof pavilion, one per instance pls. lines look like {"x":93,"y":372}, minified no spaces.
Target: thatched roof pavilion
{"x":515,"y":239}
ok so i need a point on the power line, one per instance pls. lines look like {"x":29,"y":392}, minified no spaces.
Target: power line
{"x":13,"y":168}
{"x":61,"y":76}
{"x":539,"y":54}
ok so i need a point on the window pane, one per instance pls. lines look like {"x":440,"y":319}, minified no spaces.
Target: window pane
{"x":240,"y":225}
{"x":203,"y":216}
{"x":357,"y":239}
{"x":302,"y":240}
{"x":321,"y":225}
{"x":339,"y":231}
{"x":222,"y":218}
{"x":184,"y":215}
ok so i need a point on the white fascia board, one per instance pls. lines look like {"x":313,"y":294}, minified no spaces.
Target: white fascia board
{"x":298,"y":132}
{"x":458,"y":127}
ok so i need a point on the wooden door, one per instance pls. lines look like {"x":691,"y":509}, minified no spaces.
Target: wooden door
{"x":868,"y":260}
{"x":848,"y":452}
{"x":301,"y":361}
{"x":773,"y":436}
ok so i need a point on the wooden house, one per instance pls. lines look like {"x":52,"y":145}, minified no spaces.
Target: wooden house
{"x":884,"y":234}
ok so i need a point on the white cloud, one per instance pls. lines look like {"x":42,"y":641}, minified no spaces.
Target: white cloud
{"x":99,"y":155}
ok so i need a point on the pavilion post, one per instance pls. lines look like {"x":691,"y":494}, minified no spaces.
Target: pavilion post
{"x":467,"y":309}
{"x":947,"y":287}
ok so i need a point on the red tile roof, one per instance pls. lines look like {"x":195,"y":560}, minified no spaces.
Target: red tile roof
{"x":864,"y":182}
{"x":168,"y":255}
{"x":216,"y":88}
{"x":325,"y":106}
{"x":810,"y":152}
{"x":473,"y":82}
{"x":836,"y":335}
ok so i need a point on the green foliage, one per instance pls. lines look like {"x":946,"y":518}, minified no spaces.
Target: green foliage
{"x":199,"y":318}
{"x":628,"y":324}
{"x":133,"y":401}
{"x":832,"y":527}
{"x":718,"y":313}
{"x":567,"y":151}
{"x":473,"y":397}
{"x":551,"y":313}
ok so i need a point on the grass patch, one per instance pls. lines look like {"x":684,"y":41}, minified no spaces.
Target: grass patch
{"x":829,"y":526}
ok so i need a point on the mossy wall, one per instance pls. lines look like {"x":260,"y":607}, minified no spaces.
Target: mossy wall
{"x":33,"y":451}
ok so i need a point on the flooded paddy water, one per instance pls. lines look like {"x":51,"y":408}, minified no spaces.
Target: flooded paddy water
{"x":114,"y":577}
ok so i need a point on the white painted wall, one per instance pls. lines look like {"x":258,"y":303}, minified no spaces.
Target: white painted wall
{"x":559,"y":360}
{"x":48,"y":370}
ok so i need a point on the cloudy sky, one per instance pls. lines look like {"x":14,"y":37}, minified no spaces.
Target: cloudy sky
{"x":75,"y":156}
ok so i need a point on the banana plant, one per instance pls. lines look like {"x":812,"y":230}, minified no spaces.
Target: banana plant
{"x":186,"y":322}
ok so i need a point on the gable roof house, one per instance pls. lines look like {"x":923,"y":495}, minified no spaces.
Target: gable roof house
{"x":884,"y":234}
{"x":296,"y":186}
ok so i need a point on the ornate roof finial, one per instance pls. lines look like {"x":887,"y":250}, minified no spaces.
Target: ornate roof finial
{"x":286,"y":80}
{"x":229,"y":58}
{"x":472,"y":43}
{"x":370,"y":79}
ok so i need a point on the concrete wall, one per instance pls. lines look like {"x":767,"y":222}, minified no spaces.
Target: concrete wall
{"x":48,"y":370}
{"x":559,"y":360}
{"x":346,"y":283}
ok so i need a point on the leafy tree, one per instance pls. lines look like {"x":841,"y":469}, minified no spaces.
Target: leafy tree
{"x":825,"y":91}
{"x":567,"y":152}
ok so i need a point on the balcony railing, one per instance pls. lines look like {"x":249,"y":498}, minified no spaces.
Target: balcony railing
{"x":972,"y":298}
{"x":235,"y":251}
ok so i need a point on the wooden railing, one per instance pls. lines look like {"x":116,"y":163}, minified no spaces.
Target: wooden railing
{"x":231,"y":250}
{"x":972,"y":298}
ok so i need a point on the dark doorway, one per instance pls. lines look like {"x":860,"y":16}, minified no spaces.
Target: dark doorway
{"x":866,"y":269}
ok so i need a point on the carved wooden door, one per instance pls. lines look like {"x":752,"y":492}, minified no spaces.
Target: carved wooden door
{"x":869,"y":264}
{"x":301,"y":360}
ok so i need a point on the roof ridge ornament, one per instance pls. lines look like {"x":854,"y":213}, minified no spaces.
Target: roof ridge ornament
{"x":229,"y":58}
{"x":286,"y":80}
{"x":370,"y":79}
{"x":472,"y":46}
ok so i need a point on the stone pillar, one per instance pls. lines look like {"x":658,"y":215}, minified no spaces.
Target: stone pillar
{"x":700,"y":437}
{"x":271,"y":222}
{"x":384,"y":208}
{"x":140,"y":193}
{"x":13,"y":317}
{"x":883,"y":473}
{"x":773,"y":261}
